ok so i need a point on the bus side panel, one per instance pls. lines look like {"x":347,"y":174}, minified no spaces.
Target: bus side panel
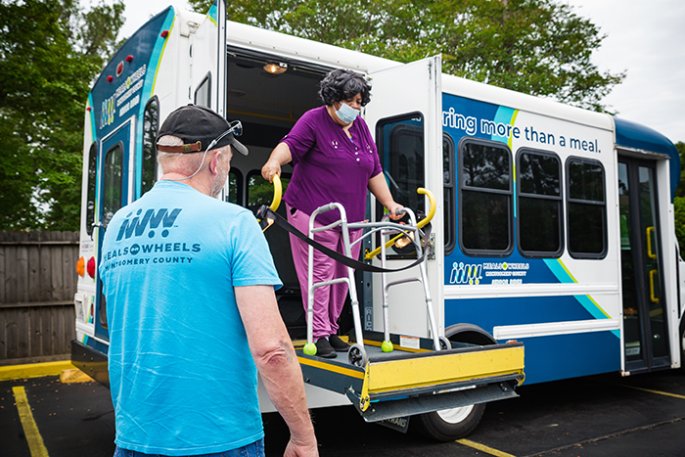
{"x":561,"y":306}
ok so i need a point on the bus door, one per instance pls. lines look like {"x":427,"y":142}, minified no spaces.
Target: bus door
{"x":115,"y":151}
{"x":405,"y":116}
{"x":646,"y":341}
{"x":208,"y":77}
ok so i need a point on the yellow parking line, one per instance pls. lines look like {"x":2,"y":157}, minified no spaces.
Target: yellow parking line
{"x":658,"y":392}
{"x":484,"y":448}
{"x":33,"y":438}
{"x":34,"y":370}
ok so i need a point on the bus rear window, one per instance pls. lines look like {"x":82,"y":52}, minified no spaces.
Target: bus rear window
{"x":90,"y":202}
{"x":113,"y":183}
{"x":149,"y":160}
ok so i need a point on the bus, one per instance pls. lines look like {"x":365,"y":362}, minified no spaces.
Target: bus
{"x":554,"y":237}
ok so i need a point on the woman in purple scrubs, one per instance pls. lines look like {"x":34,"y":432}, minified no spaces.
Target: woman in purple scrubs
{"x":334,"y":159}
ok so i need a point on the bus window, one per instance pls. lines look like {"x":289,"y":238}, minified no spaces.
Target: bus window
{"x":235,"y":187}
{"x":150,"y":129}
{"x":203,"y":93}
{"x":448,"y":191}
{"x":539,"y":203}
{"x":399,"y":140}
{"x":586,"y":208}
{"x":113,"y":182}
{"x":261,"y":192}
{"x":90,"y":203}
{"x":485,"y":198}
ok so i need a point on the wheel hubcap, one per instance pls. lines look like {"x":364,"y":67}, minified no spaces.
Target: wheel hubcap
{"x":455,"y":415}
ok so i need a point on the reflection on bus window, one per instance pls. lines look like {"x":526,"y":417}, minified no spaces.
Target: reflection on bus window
{"x":485,"y":196}
{"x":260,"y":191}
{"x":113,"y":183}
{"x":235,"y":184}
{"x":203,"y":93}
{"x":401,"y":151}
{"x":539,"y":203}
{"x":448,"y":192}
{"x":586,"y":208}
{"x":90,"y":203}
{"x":150,"y":129}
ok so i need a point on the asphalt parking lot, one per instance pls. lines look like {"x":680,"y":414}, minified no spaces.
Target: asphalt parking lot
{"x":606,"y":416}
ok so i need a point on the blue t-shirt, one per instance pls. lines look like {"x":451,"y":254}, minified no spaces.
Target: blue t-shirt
{"x":182,"y":377}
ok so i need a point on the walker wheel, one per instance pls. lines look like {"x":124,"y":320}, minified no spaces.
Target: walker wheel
{"x":357,"y":356}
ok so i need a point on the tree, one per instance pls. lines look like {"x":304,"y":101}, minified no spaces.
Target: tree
{"x":50,"y":51}
{"x":539,"y":47}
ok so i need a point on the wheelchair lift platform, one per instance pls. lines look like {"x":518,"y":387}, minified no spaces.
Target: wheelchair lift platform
{"x":410,"y":381}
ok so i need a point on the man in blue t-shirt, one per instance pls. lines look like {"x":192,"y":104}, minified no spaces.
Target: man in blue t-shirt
{"x":189,"y":285}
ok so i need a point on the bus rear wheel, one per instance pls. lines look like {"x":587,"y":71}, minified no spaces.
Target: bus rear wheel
{"x":448,"y":424}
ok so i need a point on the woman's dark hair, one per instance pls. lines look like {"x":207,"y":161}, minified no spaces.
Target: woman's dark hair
{"x":340,"y":85}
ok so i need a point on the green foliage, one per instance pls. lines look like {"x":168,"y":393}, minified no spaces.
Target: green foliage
{"x":679,"y":204}
{"x":680,"y":146}
{"x":679,"y":201}
{"x":539,"y":47}
{"x":50,"y":51}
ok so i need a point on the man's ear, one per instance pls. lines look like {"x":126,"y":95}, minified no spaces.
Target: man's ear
{"x":214,"y":163}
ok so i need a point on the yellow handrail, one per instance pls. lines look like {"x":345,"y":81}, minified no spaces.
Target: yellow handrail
{"x":432,"y":205}
{"x":278,"y":193}
{"x":650,"y":250}
{"x":652,"y":290}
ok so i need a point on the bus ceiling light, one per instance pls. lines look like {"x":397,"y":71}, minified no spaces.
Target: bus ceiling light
{"x":274,"y":68}
{"x":91,"y":267}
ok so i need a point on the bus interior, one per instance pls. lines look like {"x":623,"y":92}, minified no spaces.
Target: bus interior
{"x":268,"y":95}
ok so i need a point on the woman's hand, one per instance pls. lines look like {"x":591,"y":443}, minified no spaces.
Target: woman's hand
{"x":271,"y":167}
{"x":396,"y":211}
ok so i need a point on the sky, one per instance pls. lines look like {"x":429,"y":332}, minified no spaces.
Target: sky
{"x":643,"y":38}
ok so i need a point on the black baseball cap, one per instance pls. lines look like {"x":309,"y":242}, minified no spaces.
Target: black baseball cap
{"x":200,"y":129}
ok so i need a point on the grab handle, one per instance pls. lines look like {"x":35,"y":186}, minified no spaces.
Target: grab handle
{"x":652,"y":288}
{"x":432,"y":205}
{"x":278,"y":193}
{"x":650,"y":249}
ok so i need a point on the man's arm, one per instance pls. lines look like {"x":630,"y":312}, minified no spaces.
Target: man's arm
{"x":275,"y":358}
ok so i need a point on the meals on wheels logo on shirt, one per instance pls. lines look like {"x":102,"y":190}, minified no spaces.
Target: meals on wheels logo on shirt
{"x":143,"y":238}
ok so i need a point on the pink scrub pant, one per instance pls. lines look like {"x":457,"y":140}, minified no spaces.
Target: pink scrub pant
{"x":328,"y":301}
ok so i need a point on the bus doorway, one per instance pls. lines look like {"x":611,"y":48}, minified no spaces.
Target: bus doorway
{"x":644,"y":308}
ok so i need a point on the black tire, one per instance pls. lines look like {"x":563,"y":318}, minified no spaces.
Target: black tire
{"x":448,"y":425}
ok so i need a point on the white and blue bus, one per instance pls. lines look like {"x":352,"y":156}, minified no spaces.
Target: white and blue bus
{"x":554,"y":229}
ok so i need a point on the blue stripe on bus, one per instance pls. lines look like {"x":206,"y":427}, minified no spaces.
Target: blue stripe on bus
{"x":490,"y":312}
{"x":551,"y":358}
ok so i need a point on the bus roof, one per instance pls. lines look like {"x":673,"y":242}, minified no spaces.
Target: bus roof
{"x":637,"y":137}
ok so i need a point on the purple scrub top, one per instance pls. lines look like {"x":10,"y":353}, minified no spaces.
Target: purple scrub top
{"x":330,"y":167}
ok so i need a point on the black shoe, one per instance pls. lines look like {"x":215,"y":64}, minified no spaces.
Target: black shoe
{"x":338,"y":343}
{"x":324,"y":349}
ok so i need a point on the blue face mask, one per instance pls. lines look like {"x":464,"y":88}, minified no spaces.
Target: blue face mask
{"x":346,"y":113}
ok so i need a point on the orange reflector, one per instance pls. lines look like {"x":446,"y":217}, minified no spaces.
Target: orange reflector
{"x":81,"y":266}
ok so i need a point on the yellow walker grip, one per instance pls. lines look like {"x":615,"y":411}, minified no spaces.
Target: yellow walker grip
{"x":278,"y":193}
{"x":432,"y":205}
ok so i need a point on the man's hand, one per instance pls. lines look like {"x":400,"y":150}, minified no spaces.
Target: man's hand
{"x":294,"y":449}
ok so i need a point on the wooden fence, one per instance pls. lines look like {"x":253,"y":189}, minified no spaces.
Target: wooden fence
{"x":37,"y":286}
